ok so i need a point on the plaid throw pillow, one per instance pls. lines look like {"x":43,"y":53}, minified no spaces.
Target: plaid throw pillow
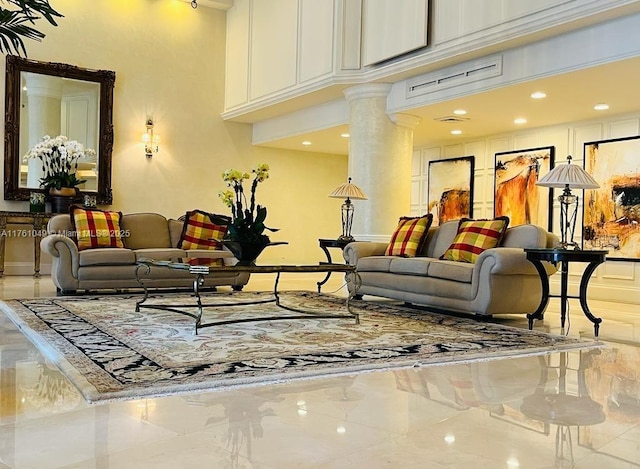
{"x":95,"y":228}
{"x":202,"y":230}
{"x":410,"y":236}
{"x":474,"y":237}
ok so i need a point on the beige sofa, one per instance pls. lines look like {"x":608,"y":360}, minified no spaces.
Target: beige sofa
{"x":147,"y":235}
{"x":501,"y":281}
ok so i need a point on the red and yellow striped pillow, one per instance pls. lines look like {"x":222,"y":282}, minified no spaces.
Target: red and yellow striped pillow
{"x":202,"y":230}
{"x":409,"y":236}
{"x":96,"y":228}
{"x":474,"y":237}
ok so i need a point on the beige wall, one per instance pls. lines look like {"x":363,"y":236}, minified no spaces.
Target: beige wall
{"x":169,"y":64}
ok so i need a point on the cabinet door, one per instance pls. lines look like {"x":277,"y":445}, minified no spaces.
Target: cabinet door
{"x":392,"y":28}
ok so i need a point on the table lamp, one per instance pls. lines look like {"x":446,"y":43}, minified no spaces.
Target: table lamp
{"x":347,"y":191}
{"x":568,"y":176}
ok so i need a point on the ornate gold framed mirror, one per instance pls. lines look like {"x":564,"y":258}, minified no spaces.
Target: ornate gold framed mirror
{"x":43,"y":98}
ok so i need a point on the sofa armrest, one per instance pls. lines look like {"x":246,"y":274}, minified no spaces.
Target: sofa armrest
{"x":511,"y":261}
{"x":359,"y":249}
{"x":63,"y":250}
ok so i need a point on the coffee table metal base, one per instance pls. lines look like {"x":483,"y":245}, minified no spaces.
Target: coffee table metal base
{"x":302,"y":314}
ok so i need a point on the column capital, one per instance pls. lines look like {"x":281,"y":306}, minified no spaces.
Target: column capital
{"x":369,"y":90}
{"x":405,"y":120}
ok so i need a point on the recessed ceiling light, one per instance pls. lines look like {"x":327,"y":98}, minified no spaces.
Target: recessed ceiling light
{"x":456,"y":132}
{"x":601,"y":107}
{"x":459,"y":112}
{"x":345,"y":135}
{"x":306,"y":142}
{"x":538,"y":95}
{"x":520,"y":120}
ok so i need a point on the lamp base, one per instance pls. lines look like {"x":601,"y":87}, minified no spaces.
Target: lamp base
{"x":568,"y":246}
{"x":348,"y":238}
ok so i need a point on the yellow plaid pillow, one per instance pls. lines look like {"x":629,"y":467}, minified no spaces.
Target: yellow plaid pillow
{"x":95,"y":228}
{"x":410,"y":236}
{"x":202,"y":230}
{"x":474,"y":237}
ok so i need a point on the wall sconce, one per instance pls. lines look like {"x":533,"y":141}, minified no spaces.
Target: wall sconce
{"x":150,"y":141}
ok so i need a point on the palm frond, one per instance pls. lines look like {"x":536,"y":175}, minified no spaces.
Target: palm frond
{"x":12,"y":23}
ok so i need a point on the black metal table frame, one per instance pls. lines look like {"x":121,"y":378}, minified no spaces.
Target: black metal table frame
{"x":325,"y":244}
{"x":199,"y":280}
{"x":565,"y":257}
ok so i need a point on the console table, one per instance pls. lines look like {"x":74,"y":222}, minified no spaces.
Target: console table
{"x":37,"y":222}
{"x":564,"y":257}
{"x":325,"y":244}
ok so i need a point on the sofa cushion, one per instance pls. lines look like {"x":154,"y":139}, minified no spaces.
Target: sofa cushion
{"x":160,"y":254}
{"x":106,"y":256}
{"x":474,"y":237}
{"x":374,"y":264}
{"x":202,"y":230}
{"x":409,"y":236}
{"x":94,"y":228}
{"x":410,"y":265}
{"x":448,"y":270}
{"x":145,"y":230}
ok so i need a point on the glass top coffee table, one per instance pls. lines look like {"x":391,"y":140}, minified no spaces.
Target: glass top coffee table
{"x":201,"y":267}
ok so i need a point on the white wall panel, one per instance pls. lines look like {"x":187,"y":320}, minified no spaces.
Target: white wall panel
{"x":391,"y":28}
{"x":350,"y":34}
{"x":237,"y":55}
{"x":612,"y":281}
{"x":274,"y":40}
{"x":623,"y":128}
{"x":316,"y":39}
{"x":457,"y":18}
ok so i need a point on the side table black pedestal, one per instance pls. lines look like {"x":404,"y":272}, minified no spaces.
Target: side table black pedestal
{"x":325,"y":244}
{"x":564,"y":257}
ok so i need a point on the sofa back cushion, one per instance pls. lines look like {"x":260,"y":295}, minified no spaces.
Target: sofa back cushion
{"x":440,"y":238}
{"x":145,"y":230}
{"x":526,"y":236}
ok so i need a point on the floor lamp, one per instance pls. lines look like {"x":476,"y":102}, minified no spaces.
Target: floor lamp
{"x":568,"y":176}
{"x":347,"y":191}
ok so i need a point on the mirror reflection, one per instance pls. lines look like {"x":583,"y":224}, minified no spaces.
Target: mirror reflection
{"x":55,"y":106}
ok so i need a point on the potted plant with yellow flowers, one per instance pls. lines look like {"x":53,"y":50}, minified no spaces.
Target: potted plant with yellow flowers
{"x":245,"y":236}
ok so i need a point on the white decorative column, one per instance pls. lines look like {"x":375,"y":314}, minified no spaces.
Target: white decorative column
{"x":380,"y":152}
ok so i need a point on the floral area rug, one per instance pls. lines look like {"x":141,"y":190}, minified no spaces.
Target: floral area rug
{"x":110,"y":351}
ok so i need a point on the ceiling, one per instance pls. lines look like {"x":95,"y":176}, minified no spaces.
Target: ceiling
{"x":570,"y":98}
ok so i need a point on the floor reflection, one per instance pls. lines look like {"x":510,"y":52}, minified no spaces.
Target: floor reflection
{"x":579,"y":408}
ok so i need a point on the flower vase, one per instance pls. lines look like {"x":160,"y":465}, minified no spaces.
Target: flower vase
{"x":61,"y":199}
{"x":246,"y":253}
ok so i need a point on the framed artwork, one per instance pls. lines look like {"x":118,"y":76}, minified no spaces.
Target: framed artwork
{"x":450,"y":195}
{"x":515,"y":193}
{"x":612,"y":212}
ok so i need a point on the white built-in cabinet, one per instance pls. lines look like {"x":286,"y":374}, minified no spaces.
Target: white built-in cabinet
{"x":391,"y":28}
{"x":276,"y":45}
{"x":279,"y":50}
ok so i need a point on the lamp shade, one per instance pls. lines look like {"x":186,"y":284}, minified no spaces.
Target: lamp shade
{"x":570,"y":175}
{"x":348,"y":191}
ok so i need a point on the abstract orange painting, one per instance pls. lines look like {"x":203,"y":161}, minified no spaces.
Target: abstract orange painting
{"x":516,"y":194}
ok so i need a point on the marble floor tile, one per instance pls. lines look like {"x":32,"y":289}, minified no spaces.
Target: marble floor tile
{"x":493,"y":414}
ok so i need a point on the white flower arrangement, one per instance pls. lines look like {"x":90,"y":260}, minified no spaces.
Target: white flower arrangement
{"x":59,"y":158}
